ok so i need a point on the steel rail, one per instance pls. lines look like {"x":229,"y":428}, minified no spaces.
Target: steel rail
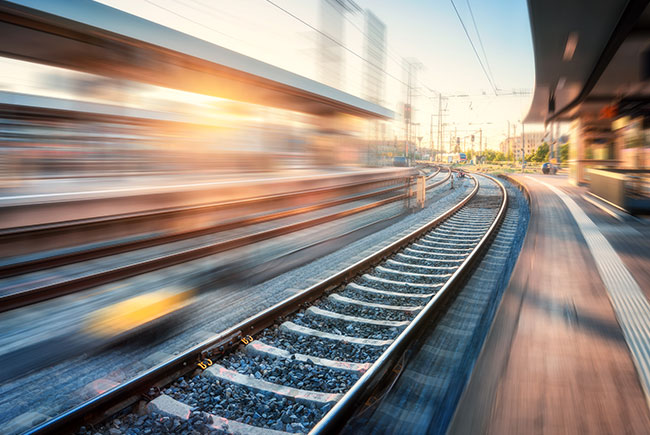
{"x":12,"y":269}
{"x":434,"y":173}
{"x":438,"y":183}
{"x":49,"y":291}
{"x":125,"y":394}
{"x":362,"y":390}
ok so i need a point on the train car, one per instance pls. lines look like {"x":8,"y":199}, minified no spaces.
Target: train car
{"x":455,"y":158}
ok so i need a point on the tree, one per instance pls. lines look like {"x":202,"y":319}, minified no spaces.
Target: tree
{"x":541,"y":153}
{"x":490,"y":155}
{"x":564,"y":152}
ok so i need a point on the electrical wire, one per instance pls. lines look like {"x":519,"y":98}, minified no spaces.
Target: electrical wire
{"x":191,"y":20}
{"x":473,"y":48}
{"x":333,"y":40}
{"x":388,"y":49}
{"x":480,"y":41}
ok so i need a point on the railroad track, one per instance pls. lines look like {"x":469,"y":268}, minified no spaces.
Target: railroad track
{"x":28,"y":284}
{"x":133,"y":222}
{"x":305,"y":363}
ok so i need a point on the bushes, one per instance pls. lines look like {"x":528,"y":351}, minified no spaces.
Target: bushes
{"x":564,"y":152}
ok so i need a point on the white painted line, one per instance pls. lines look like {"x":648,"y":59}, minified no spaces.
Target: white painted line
{"x":305,"y":396}
{"x":319,"y":312}
{"x":302,"y":330}
{"x":610,"y":212}
{"x":600,"y":198}
{"x":630,"y":304}
{"x":263,"y":349}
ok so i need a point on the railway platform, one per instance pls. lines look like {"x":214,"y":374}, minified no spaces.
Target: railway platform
{"x":569,"y":348}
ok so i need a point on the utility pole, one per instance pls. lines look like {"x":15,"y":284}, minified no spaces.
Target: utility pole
{"x":431,"y":137}
{"x":514,"y":140}
{"x":480,"y":141}
{"x":407,"y":114}
{"x":523,"y":146}
{"x":456,"y":138}
{"x":508,"y":142}
{"x":440,"y":123}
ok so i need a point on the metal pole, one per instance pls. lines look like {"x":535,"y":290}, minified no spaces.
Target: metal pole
{"x":508,"y":143}
{"x":523,"y":146}
{"x":440,"y":123}
{"x":431,"y":136}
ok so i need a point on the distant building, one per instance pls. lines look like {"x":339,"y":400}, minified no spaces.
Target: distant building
{"x":513,"y":144}
{"x":375,"y":54}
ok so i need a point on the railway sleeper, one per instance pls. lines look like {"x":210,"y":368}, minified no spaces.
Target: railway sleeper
{"x":458,"y":258}
{"x":258,"y":348}
{"x":457,"y":230}
{"x":217,"y":371}
{"x":292,"y":328}
{"x":319,"y":312}
{"x":411,"y":276}
{"x":434,"y":250}
{"x":451,"y":238}
{"x":393,"y":283}
{"x":461,"y":238}
{"x":349,"y":301}
{"x":363,"y":288}
{"x":420,"y":266}
{"x":170,"y":407}
{"x":443,"y":245}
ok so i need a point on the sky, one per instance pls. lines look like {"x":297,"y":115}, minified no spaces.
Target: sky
{"x":282,"y":32}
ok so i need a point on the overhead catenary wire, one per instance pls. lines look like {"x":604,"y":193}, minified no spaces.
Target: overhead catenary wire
{"x":388,"y":49}
{"x":332,"y":39}
{"x":480,"y":41}
{"x":487,"y":76}
{"x":192,"y":20}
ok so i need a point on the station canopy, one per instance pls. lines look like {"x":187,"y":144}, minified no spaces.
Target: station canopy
{"x":590,"y":57}
{"x":87,"y":36}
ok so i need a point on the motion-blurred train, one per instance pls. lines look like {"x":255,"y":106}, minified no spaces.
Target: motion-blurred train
{"x":41,"y":136}
{"x":455,"y":158}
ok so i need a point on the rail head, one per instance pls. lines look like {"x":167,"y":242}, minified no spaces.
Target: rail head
{"x":438,"y":183}
{"x":127,"y":393}
{"x":337,"y":417}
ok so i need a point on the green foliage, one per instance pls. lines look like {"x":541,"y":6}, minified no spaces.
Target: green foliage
{"x":564,"y":152}
{"x":541,"y":154}
{"x":494,"y":156}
